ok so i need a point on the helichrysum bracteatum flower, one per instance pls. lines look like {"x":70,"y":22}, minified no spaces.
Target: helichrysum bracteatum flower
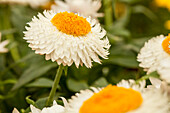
{"x":163,"y":3}
{"x":67,"y":38}
{"x":154,"y":56}
{"x":84,"y":7}
{"x":126,"y":97}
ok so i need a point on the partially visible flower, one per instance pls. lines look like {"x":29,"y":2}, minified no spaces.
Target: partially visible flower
{"x":126,"y":97}
{"x":15,"y":111}
{"x":48,"y":5}
{"x":32,"y":3}
{"x":163,"y":3}
{"x":84,"y":7}
{"x":154,"y":51}
{"x":67,"y":38}
{"x":2,"y":45}
{"x":167,"y":24}
{"x":54,"y":109}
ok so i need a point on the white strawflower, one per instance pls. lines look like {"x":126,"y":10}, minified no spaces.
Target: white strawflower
{"x":154,"y":51}
{"x":84,"y":7}
{"x":32,"y":3}
{"x":2,"y":45}
{"x":126,"y":97}
{"x":67,"y":38}
{"x":54,"y":109}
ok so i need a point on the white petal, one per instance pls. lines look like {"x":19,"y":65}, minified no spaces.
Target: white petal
{"x":34,"y":109}
{"x":155,"y":82}
{"x":85,"y":7}
{"x":15,"y":111}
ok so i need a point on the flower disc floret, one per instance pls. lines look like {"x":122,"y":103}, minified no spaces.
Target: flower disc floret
{"x":71,"y":24}
{"x":166,"y":44}
{"x":117,"y":100}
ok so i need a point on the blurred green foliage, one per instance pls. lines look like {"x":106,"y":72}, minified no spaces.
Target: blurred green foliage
{"x":23,"y":73}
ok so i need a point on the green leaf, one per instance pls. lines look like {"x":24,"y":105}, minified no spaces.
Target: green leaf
{"x":24,"y":59}
{"x":10,"y":95}
{"x":41,"y":82}
{"x":32,"y":73}
{"x":65,"y":70}
{"x":130,"y":1}
{"x":125,"y":61}
{"x":9,"y":81}
{"x":30,"y":101}
{"x":146,"y":77}
{"x":7,"y":25}
{"x":140,"y":41}
{"x":118,"y":31}
{"x":41,"y":102}
{"x":146,"y":11}
{"x":101,"y":82}
{"x":76,"y":86}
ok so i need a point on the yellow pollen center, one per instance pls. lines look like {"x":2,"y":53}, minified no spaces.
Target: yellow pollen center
{"x":71,"y":24}
{"x":112,"y":99}
{"x":166,"y":44}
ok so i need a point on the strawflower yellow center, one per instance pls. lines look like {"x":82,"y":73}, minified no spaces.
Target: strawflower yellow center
{"x":71,"y":24}
{"x":167,"y":24}
{"x":112,"y":99}
{"x":163,"y":3}
{"x":166,"y":44}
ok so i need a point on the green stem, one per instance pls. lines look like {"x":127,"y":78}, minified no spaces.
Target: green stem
{"x":7,"y":25}
{"x":114,"y":8}
{"x":54,"y":87}
{"x":146,"y":77}
{"x":108,"y":12}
